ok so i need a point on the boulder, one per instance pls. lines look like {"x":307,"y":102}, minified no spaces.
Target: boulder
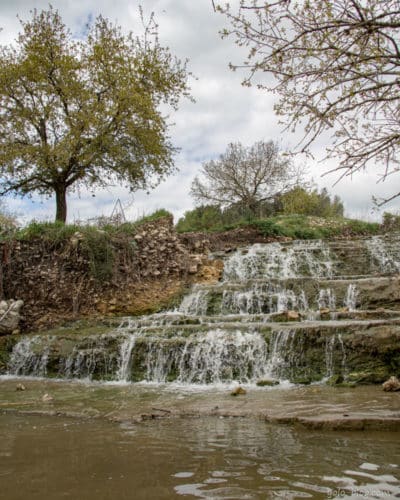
{"x":10,"y":316}
{"x":391,"y":385}
{"x":238,"y":391}
{"x":268,"y":382}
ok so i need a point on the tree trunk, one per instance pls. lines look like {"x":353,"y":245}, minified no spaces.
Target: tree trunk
{"x":61,"y":203}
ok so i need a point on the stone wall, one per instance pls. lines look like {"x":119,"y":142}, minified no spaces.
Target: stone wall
{"x":65,"y":280}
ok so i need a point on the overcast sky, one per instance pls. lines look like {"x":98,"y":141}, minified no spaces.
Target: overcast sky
{"x":224,"y":111}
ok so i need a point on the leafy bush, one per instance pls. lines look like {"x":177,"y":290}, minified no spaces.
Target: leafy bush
{"x":269,"y":228}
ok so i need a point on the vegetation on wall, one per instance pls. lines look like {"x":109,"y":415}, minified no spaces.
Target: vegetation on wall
{"x":98,"y":244}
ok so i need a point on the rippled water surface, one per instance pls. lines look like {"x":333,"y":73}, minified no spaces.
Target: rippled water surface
{"x":213,"y":457}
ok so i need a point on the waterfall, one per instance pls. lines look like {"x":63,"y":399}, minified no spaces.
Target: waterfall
{"x":218,"y":356}
{"x":236,"y":330}
{"x":334,"y":349}
{"x":279,"y":261}
{"x":326,"y":299}
{"x":279,"y":361}
{"x":29,"y":357}
{"x":350,"y":300}
{"x":385,"y":255}
{"x":124,"y":361}
{"x":262,"y":299}
{"x":195,"y":303}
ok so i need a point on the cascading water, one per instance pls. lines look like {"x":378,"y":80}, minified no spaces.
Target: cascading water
{"x":229,"y":331}
{"x":351,"y":297}
{"x":327,"y":299}
{"x":385,"y":256}
{"x":195,"y":303}
{"x":312,"y":258}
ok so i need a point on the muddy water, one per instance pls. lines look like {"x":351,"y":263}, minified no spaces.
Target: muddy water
{"x":211,"y":457}
{"x":151,"y":442}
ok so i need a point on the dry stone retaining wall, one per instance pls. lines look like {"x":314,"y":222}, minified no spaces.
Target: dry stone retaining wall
{"x":56,"y":281}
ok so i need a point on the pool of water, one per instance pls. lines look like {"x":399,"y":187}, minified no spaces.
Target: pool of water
{"x":211,"y":457}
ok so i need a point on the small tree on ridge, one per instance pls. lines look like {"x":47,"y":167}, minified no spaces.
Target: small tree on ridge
{"x":246,"y":176}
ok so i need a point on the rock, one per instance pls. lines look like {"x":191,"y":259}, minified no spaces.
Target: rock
{"x":10,"y":315}
{"x":238,"y":391}
{"x":391,"y":385}
{"x":20,"y":387}
{"x":267,"y":382}
{"x":335,"y":380}
{"x":293,"y":316}
{"x":46,"y":398}
{"x":324,"y":310}
{"x":210,"y":271}
{"x":285,"y":316}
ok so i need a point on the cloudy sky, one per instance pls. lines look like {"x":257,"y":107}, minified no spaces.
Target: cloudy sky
{"x":224,"y":111}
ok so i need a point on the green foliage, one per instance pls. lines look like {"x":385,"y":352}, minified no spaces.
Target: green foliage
{"x":85,"y":112}
{"x":8,"y":222}
{"x":268,"y":227}
{"x":203,"y":218}
{"x":297,"y":201}
{"x":302,"y":201}
{"x":362,"y":227}
{"x":98,"y":247}
{"x":307,"y":227}
{"x":158,"y":214}
{"x":54,"y":232}
{"x":296,"y":226}
{"x":391,"y":222}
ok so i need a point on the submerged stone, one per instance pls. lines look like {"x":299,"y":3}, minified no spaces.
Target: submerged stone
{"x":267,"y":382}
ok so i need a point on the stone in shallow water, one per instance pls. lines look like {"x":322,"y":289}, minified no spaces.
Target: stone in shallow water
{"x":267,"y":382}
{"x":391,"y":385}
{"x":238,"y":391}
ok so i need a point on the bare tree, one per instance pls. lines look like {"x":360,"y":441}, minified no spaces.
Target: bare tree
{"x":246,"y":176}
{"x":336,"y":67}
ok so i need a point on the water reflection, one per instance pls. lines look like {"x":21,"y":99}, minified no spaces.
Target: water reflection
{"x":196,"y":458}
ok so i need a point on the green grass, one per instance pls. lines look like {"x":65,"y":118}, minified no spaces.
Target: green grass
{"x":303,"y":227}
{"x":309,"y":227}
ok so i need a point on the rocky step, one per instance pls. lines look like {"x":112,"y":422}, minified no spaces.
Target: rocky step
{"x":316,"y":258}
{"x":161,"y":321}
{"x":341,"y":351}
{"x":253,"y":323}
{"x":269,"y":296}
